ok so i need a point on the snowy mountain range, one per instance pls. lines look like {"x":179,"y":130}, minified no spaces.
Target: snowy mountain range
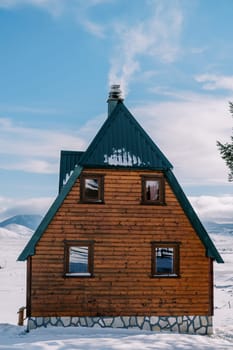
{"x":223,"y":228}
{"x":19,"y":225}
{"x":29,"y":221}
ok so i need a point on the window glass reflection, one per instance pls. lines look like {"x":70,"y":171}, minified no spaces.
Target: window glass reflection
{"x":92,"y":189}
{"x":152,"y":190}
{"x":78,"y":260}
{"x":164,"y":260}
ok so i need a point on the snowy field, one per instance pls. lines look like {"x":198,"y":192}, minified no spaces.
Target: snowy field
{"x":12,"y":296}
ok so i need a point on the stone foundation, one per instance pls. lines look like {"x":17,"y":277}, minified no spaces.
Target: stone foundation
{"x":178,"y":324}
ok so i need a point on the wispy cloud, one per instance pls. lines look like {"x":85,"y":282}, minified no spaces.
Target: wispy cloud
{"x":77,"y":9}
{"x":54,"y":7}
{"x":95,"y":29}
{"x":12,"y":206}
{"x":198,"y":50}
{"x":156,"y":37}
{"x":214,"y":208}
{"x":36,"y":150}
{"x":186,"y":130}
{"x":82,"y":9}
{"x":182,"y":95}
{"x":29,"y":109}
{"x":39,"y":166}
{"x":215,"y":82}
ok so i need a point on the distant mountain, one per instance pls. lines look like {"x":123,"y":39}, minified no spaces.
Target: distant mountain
{"x":213,"y":227}
{"x":29,"y":221}
{"x":15,"y":231}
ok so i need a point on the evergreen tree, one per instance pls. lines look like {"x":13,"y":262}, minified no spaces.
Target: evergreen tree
{"x":226,"y":151}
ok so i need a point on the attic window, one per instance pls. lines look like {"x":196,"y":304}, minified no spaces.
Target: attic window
{"x":92,"y":189}
{"x":165,"y":259}
{"x":153,"y":190}
{"x":78,"y":258}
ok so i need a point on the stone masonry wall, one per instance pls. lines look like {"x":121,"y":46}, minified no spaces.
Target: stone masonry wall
{"x":180,"y":324}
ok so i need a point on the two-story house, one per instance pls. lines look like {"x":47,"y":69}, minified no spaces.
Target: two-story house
{"x":121,"y":246}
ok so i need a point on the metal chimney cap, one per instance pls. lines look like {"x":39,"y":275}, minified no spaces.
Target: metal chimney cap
{"x":115,"y":93}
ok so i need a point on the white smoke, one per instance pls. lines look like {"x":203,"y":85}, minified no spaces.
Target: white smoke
{"x":156,"y":38}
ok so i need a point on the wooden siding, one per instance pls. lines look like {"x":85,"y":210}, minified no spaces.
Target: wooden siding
{"x":123,"y":230}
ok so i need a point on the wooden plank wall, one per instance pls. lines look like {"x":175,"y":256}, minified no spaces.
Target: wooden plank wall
{"x":123,"y":230}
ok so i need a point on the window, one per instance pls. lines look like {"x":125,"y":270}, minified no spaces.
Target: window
{"x":152,"y":190}
{"x":165,"y":259}
{"x":92,"y":189}
{"x":79,"y":258}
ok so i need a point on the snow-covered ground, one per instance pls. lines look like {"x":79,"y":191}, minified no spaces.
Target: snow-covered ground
{"x":12,"y":296}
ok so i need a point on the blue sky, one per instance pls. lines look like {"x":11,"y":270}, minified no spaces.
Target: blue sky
{"x":173,"y":59}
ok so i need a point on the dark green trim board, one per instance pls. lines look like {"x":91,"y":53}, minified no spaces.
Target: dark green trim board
{"x":30,"y":247}
{"x":211,"y":250}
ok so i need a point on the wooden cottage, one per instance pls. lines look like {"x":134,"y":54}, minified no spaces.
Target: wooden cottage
{"x":121,"y":245}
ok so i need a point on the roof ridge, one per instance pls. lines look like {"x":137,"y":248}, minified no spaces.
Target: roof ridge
{"x":126,"y":142}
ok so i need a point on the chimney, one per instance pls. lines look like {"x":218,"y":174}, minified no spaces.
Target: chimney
{"x":114,"y":97}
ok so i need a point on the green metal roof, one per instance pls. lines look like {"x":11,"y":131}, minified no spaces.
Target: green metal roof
{"x":121,"y":142}
{"x":68,"y":161}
